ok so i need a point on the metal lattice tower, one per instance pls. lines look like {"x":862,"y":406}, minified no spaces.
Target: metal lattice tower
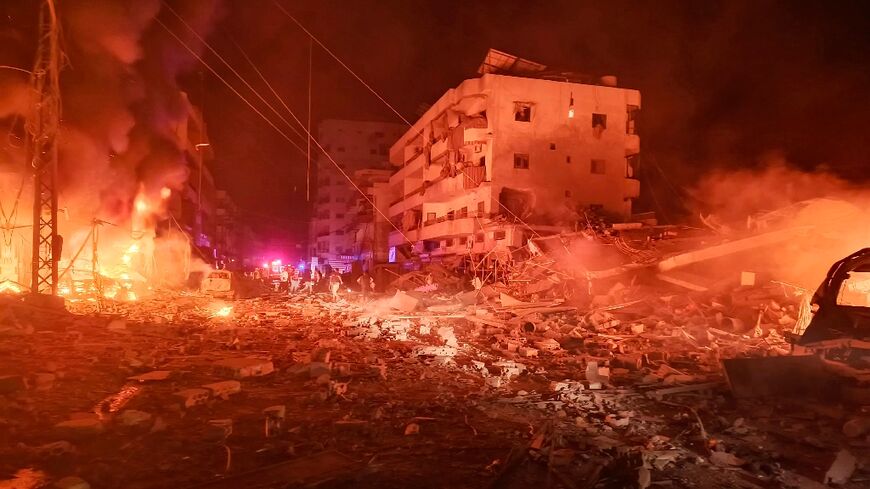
{"x":42,"y":128}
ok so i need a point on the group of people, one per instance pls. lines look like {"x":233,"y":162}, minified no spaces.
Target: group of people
{"x":298,"y":283}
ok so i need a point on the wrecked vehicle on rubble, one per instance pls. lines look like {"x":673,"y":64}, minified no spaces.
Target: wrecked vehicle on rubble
{"x":841,"y":304}
{"x":831,"y":357}
{"x":219,"y":283}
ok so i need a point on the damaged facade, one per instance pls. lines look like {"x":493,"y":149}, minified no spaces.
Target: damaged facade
{"x":503,"y":157}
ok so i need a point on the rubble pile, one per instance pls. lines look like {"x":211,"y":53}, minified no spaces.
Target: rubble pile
{"x":599,"y":379}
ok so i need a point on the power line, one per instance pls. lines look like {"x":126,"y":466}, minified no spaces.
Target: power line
{"x":228,"y":85}
{"x":336,"y":58}
{"x":240,"y":77}
{"x":321,"y":148}
{"x":378,"y":95}
{"x":314,"y":140}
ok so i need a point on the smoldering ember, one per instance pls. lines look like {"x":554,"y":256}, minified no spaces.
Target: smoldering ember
{"x":287,"y":244}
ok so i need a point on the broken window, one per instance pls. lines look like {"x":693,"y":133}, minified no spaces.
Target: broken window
{"x":568,"y":159}
{"x":552,"y":146}
{"x":522,"y":111}
{"x":481,"y":207}
{"x":599,"y":120}
{"x":498,"y":235}
{"x":632,"y":166}
{"x":463,"y":241}
{"x":479,"y":237}
{"x":599,"y":167}
{"x":450,"y":215}
{"x":482,"y":161}
{"x":632,"y":113}
{"x":521,"y":160}
{"x":463,"y":212}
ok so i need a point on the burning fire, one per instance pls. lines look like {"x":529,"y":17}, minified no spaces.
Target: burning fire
{"x":222,"y":311}
{"x":9,"y":287}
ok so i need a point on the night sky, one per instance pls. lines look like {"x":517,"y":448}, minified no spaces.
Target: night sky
{"x":723,"y":83}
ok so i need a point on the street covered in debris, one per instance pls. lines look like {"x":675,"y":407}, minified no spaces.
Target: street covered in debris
{"x":504,"y":386}
{"x":380,"y":244}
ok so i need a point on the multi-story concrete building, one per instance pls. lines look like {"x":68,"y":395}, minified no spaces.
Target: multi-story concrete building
{"x":503,"y":154}
{"x":353,"y":145}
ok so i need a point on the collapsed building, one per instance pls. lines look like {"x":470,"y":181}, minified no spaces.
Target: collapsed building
{"x":521,"y":151}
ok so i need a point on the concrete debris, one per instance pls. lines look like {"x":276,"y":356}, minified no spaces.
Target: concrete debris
{"x":239,"y":368}
{"x":841,"y":469}
{"x":85,"y":426}
{"x":223,"y":390}
{"x":134,"y":418}
{"x":192,"y":397}
{"x":606,"y":378}
{"x":725,"y":459}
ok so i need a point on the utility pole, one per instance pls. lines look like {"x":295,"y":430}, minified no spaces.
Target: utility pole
{"x":42,"y":129}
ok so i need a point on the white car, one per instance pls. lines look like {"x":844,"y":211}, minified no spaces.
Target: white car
{"x":218,"y":283}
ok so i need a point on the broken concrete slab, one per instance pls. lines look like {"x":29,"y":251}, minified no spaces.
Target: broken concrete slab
{"x":80,"y":427}
{"x":404,"y":302}
{"x":192,"y":397}
{"x":224,"y":389}
{"x":842,"y":468}
{"x":239,"y":368}
{"x":134,"y":418}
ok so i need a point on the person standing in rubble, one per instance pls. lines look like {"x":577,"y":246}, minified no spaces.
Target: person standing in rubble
{"x":313,"y":278}
{"x":335,"y":282}
{"x":295,"y":280}
{"x":366,"y":284}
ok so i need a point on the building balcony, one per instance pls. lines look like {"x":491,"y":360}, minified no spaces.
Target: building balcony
{"x":438,"y":149}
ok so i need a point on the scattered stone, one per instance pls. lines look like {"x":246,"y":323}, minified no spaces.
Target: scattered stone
{"x":134,"y":418}
{"x":725,"y":459}
{"x":528,"y":352}
{"x":412,"y":429}
{"x":223,"y":390}
{"x":239,"y":368}
{"x":192,"y":397}
{"x":81,"y":427}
